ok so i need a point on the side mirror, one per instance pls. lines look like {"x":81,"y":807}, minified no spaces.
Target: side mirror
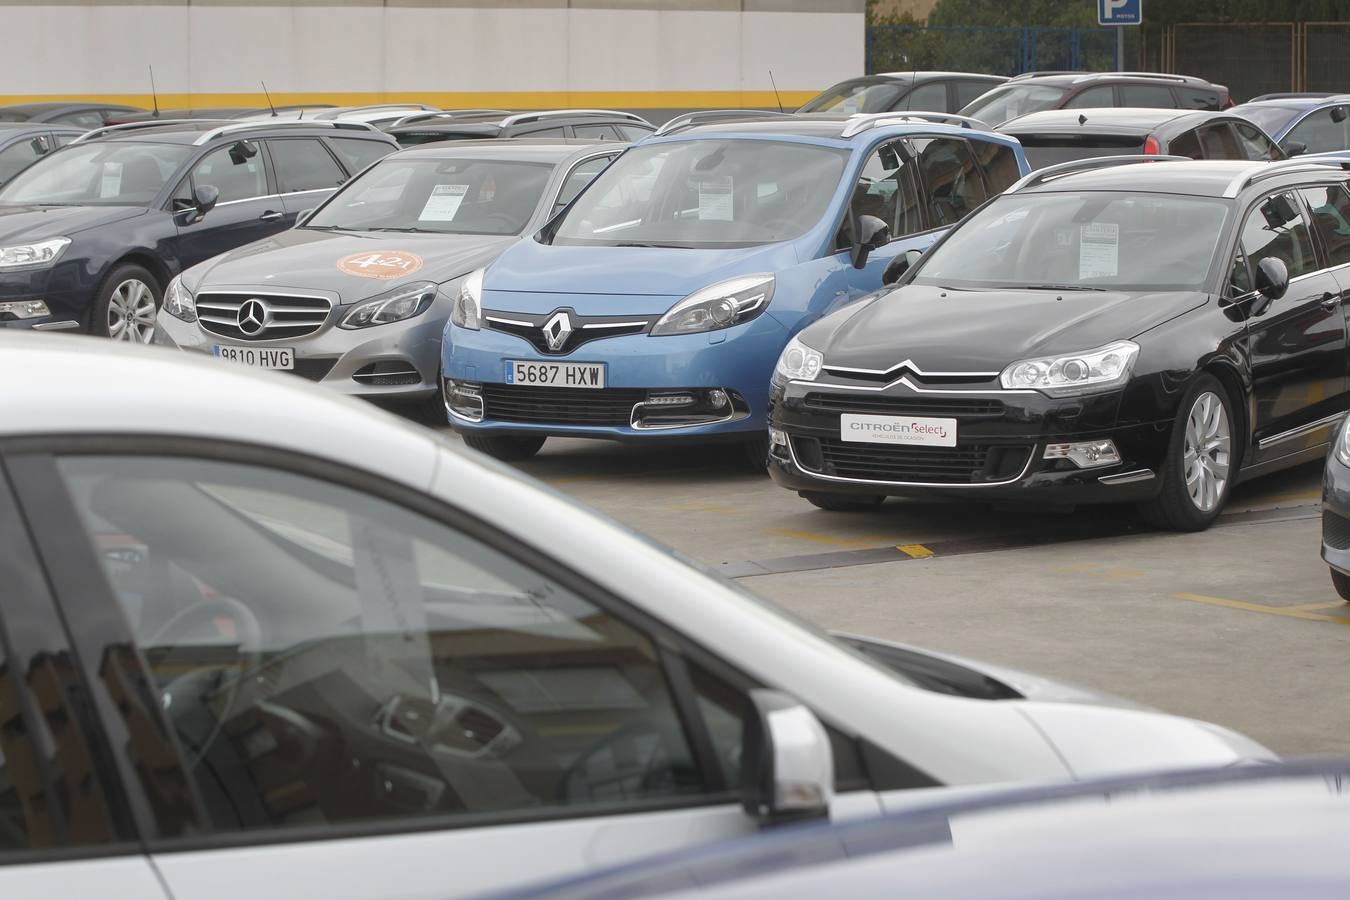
{"x":304,"y":215}
{"x":1272,"y":278}
{"x":1294,"y":148}
{"x":1338,"y":114}
{"x":242,"y":151}
{"x":204,"y":199}
{"x":788,"y":766}
{"x":40,"y":146}
{"x":897,"y":267}
{"x":872,"y":233}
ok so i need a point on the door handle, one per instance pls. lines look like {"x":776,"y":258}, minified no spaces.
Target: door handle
{"x":1330,"y":301}
{"x":270,"y":216}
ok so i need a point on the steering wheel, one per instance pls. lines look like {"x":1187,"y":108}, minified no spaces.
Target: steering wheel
{"x":185,"y":697}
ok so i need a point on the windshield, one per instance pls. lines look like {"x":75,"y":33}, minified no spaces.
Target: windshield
{"x":856,"y":97}
{"x":1098,"y":240}
{"x":1002,"y":104}
{"x":443,"y":196}
{"x":1270,"y":119}
{"x":113,"y":174}
{"x":705,"y":194}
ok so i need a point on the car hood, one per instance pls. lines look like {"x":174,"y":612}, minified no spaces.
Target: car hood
{"x":949,"y":330}
{"x":308,"y":260}
{"x":38,"y":223}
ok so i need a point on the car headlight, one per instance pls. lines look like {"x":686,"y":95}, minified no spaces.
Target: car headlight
{"x":42,"y":253}
{"x":395,"y":306}
{"x":1343,"y":444}
{"x":179,"y":302}
{"x":798,"y":362}
{"x":718,"y":306}
{"x":1073,"y":373}
{"x":468,"y":309}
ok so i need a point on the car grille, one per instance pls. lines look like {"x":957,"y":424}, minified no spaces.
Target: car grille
{"x":903,"y":406}
{"x":1335,"y":531}
{"x":560,"y":406}
{"x":963,"y":464}
{"x":286,"y":317}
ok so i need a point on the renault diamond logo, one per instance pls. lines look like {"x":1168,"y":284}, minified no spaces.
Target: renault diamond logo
{"x":252,"y":316}
{"x":557,"y":330}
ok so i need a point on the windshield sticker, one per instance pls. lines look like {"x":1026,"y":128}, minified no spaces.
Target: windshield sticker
{"x":1099,"y":250}
{"x":443,"y":203}
{"x":384,"y":265}
{"x":111,"y":185}
{"x":714,"y":199}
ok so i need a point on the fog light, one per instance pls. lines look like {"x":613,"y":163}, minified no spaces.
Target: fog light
{"x":777,"y":438}
{"x":464,"y":399}
{"x":1085,"y":454}
{"x":672,"y":399}
{"x":25,"y":309}
{"x":718,"y":398}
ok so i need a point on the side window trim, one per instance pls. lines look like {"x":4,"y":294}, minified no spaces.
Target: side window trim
{"x":1320,"y":251}
{"x":552,"y":203}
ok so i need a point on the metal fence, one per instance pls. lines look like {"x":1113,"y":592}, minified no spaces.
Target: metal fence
{"x":1000,"y":51}
{"x":1249,"y":59}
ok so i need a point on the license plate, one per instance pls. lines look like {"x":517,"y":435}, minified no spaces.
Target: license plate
{"x":257,"y":357}
{"x":563,"y":375}
{"x":907,"y":430}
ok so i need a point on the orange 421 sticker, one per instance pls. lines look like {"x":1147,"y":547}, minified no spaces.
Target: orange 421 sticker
{"x":383,"y":264}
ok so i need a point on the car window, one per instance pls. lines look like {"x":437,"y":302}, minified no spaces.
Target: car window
{"x":968,"y":90}
{"x":1011,"y":100}
{"x":887,"y":189}
{"x":950,"y":177}
{"x":1217,"y":142}
{"x":581,"y":175}
{"x":597,"y":132}
{"x":1276,"y":227}
{"x":1186,"y":144}
{"x":1240,"y":281}
{"x":543,"y":133}
{"x":1330,"y":205}
{"x":64,"y":137}
{"x":999,"y":164}
{"x":371,"y":663}
{"x":237,"y":171}
{"x":634,"y":132}
{"x":1197,"y":98}
{"x":1321,"y":132}
{"x":1103,"y":95}
{"x":1147,"y":95}
{"x":16,"y":157}
{"x":302,"y":164}
{"x":1254,"y":144}
{"x":113,"y":173}
{"x":87,"y":118}
{"x":856,"y":97}
{"x":356,"y":154}
{"x":930,"y":97}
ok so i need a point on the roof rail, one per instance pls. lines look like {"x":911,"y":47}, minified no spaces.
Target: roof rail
{"x":336,"y":111}
{"x":1284,"y":167}
{"x":1025,"y":75}
{"x":133,"y":126}
{"x":208,"y":136}
{"x":861,"y":122}
{"x":449,"y":114}
{"x":1160,"y":76}
{"x":708,"y":116}
{"x":1049,"y":173}
{"x":1297,"y":95}
{"x":552,"y":113}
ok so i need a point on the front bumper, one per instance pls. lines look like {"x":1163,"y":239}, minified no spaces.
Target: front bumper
{"x":737,"y":361}
{"x":397,"y":362}
{"x":67,"y":302}
{"x":1001,"y":441}
{"x":1336,"y":513}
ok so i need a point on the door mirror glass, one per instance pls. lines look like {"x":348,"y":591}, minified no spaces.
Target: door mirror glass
{"x":1272,"y":278}
{"x":204,"y":198}
{"x":1338,"y":114}
{"x":872,"y":233}
{"x":788,"y":770}
{"x":897,"y":267}
{"x":40,"y":146}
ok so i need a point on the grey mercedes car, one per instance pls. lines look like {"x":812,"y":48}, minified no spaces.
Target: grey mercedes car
{"x":356,"y":296}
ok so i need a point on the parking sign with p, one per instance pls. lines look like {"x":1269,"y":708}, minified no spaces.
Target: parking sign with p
{"x":1120,"y":12}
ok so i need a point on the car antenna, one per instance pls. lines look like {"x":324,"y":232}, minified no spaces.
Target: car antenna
{"x":269,"y":98}
{"x":154,"y":94}
{"x":913,"y":77}
{"x":777,"y":99}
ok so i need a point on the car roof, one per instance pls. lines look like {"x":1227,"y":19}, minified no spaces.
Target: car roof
{"x":39,"y":108}
{"x":930,"y":75}
{"x":521,"y":149}
{"x":1196,"y":178}
{"x":189,"y":131}
{"x":1120,"y":117}
{"x":1299,"y":103}
{"x":1068,"y":79}
{"x":11,"y":127}
{"x":830,"y":129}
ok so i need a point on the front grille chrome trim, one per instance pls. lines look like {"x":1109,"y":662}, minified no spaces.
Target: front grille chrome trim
{"x":218,"y":311}
{"x":1031,"y":457}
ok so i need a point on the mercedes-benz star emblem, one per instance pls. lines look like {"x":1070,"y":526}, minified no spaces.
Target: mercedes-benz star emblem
{"x":252,"y":316}
{"x":557,"y":330}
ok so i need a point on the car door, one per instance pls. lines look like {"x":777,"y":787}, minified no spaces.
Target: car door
{"x":62,"y":819}
{"x":1329,"y":207}
{"x":387,"y":685}
{"x":1297,"y":344}
{"x":248,"y":209}
{"x":306,"y":174}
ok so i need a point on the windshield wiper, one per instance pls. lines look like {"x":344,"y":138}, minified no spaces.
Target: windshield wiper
{"x":1060,"y":287}
{"x":411,"y":229}
{"x":326,"y":228}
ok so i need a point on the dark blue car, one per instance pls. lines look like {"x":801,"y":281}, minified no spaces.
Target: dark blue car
{"x":1300,"y":123}
{"x":91,"y":234}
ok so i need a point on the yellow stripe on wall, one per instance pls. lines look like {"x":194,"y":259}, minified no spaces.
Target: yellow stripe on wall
{"x":452,"y":100}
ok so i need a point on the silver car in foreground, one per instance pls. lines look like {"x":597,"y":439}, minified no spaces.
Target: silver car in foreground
{"x":261,"y":639}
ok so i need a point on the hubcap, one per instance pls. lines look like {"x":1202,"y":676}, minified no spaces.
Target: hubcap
{"x":131,"y":312}
{"x":1206,"y":454}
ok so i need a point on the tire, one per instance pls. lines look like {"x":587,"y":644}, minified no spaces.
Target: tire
{"x":1183,"y":505}
{"x":127,"y":303}
{"x":842,"y":502}
{"x":508,"y":448}
{"x":1342,"y":584}
{"x":757,"y":453}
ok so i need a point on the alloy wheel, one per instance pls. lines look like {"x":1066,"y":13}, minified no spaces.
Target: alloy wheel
{"x":1207,"y":451}
{"x":131,"y":312}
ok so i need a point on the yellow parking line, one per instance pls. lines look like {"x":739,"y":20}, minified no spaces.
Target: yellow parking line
{"x":1305,"y":607}
{"x":853,"y":543}
{"x":1287,"y":611}
{"x":915,"y":551}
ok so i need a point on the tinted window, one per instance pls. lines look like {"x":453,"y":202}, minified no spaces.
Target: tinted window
{"x":356,"y":154}
{"x":302,"y":164}
{"x":16,"y":157}
{"x":597,"y":132}
{"x":580,"y":176}
{"x":89,"y":118}
{"x":102,"y":172}
{"x":930,"y":97}
{"x":999,"y":164}
{"x":1149,"y":95}
{"x":1254,"y":144}
{"x":886,"y":189}
{"x":634,"y":132}
{"x":370,"y":663}
{"x":229,"y":170}
{"x":1320,"y":131}
{"x":951,"y":179}
{"x":855,"y":97}
{"x":1240,"y":281}
{"x":1217,"y":142}
{"x":1049,"y":149}
{"x":1197,"y":98}
{"x":1103,"y":95}
{"x":1330,"y":205}
{"x":1277,"y":227}
{"x":1186,"y":144}
{"x":63,"y":138}
{"x":1007,"y":102}
{"x":967,"y":91}
{"x":543,"y":133}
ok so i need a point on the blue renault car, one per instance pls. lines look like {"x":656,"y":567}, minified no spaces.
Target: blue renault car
{"x":656,"y":304}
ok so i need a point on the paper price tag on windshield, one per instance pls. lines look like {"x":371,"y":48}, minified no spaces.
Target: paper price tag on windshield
{"x":1098,"y":250}
{"x":111,"y":185}
{"x":714,"y":199}
{"x":443,"y":203}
